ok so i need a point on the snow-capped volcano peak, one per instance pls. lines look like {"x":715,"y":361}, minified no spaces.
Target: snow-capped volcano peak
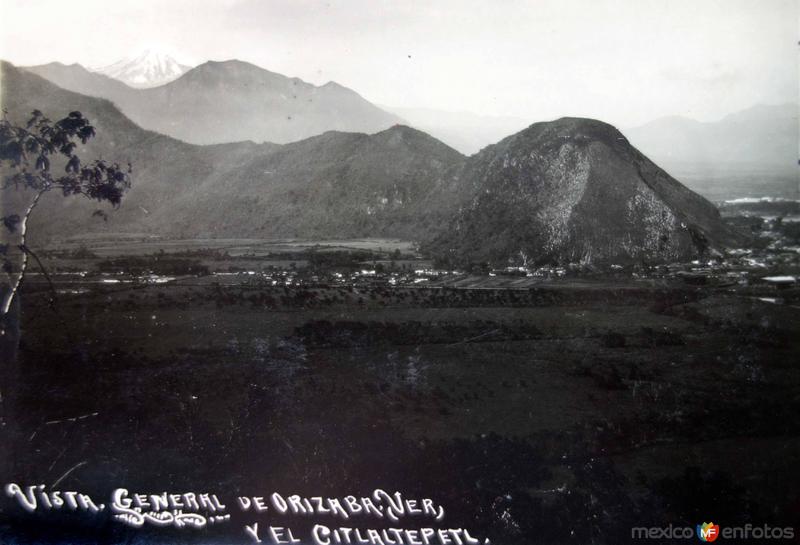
{"x":148,"y":69}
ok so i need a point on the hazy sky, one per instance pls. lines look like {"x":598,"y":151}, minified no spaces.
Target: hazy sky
{"x":624,"y":61}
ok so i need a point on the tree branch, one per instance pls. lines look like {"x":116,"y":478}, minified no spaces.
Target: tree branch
{"x":54,"y":299}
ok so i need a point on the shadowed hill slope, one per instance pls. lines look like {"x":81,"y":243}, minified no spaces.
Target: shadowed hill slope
{"x":336,"y":184}
{"x":574,"y":190}
{"x":564,"y":191}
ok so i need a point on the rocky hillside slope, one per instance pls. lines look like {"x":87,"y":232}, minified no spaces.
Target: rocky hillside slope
{"x":574,"y":190}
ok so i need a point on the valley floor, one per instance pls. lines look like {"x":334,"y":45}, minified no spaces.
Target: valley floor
{"x":567,"y":412}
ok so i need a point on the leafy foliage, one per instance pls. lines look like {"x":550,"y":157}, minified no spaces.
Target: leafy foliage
{"x":29,"y":151}
{"x":26,"y":157}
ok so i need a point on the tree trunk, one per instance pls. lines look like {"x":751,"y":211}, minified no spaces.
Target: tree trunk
{"x":9,"y":349}
{"x":9,"y":383}
{"x":8,"y":296}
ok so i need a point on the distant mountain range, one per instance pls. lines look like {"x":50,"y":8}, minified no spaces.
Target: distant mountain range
{"x":573,"y":189}
{"x":230,"y":101}
{"x":761,"y":137}
{"x":465,"y":131}
{"x":149,"y":69}
{"x":331,"y":185}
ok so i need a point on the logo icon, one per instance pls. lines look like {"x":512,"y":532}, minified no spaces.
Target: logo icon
{"x":708,"y":531}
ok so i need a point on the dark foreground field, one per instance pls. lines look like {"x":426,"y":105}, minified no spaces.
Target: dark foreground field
{"x":563,"y":413}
